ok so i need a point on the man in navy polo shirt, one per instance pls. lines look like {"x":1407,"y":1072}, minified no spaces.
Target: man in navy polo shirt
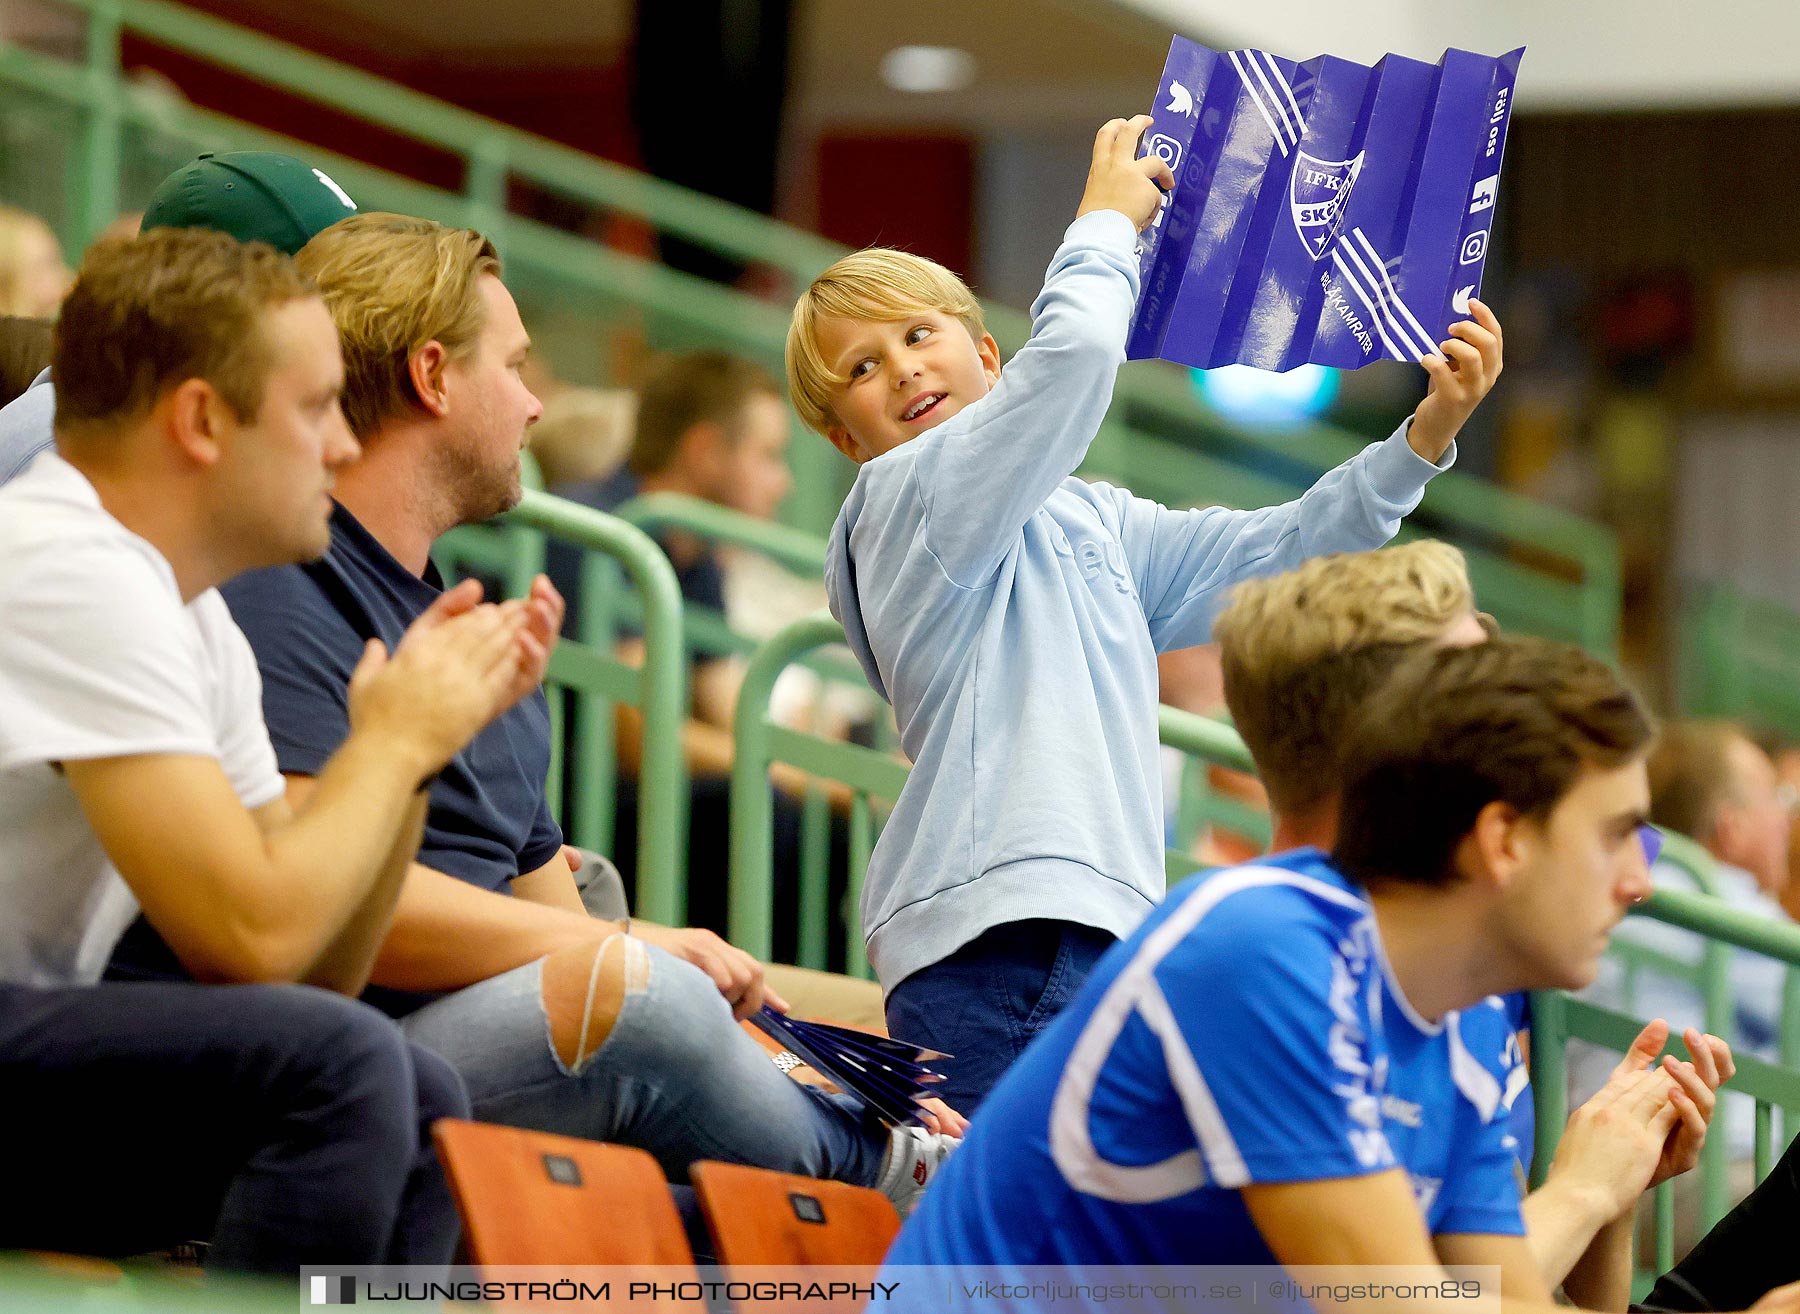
{"x":555,"y":1020}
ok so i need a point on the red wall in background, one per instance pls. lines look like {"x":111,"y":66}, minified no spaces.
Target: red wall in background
{"x":582,"y":104}
{"x":912,"y":191}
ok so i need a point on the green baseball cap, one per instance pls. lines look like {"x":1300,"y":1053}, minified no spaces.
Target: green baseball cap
{"x":254,"y":196}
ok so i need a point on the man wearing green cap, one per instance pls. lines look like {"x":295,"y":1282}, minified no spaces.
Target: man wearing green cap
{"x":254,"y":196}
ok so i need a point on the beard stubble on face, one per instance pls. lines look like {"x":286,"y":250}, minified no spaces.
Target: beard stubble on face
{"x":472,"y":488}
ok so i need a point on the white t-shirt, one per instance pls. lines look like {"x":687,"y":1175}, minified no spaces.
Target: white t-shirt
{"x":98,"y":658}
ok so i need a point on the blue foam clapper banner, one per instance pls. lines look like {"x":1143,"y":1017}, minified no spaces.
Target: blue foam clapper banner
{"x":1325,"y":211}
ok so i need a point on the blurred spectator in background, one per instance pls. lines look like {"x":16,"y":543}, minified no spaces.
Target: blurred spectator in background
{"x":24,"y":354}
{"x":1787,"y":766}
{"x":714,"y":427}
{"x":584,"y":434}
{"x":33,"y":276}
{"x":128,"y":224}
{"x":1710,"y":782}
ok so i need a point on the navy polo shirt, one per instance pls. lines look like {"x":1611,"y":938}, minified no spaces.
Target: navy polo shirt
{"x":488,"y":820}
{"x":702,"y":582}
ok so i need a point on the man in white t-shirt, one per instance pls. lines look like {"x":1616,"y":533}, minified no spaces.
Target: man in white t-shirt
{"x":198,"y":431}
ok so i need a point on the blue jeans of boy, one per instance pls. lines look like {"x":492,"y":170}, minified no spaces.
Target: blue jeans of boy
{"x":985,"y":1003}
{"x":287,"y":1125}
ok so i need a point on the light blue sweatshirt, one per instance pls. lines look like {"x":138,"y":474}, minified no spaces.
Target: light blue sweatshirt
{"x":1012,"y":615}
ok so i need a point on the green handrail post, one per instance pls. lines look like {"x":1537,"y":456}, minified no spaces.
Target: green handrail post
{"x":662,"y":694}
{"x":1556,"y":1019}
{"x":752,"y":799}
{"x":862,"y":846}
{"x":794,"y":549}
{"x":96,"y":200}
{"x":1549,"y":1077}
{"x":1790,"y":1018}
{"x":484,"y":183}
{"x":814,"y":940}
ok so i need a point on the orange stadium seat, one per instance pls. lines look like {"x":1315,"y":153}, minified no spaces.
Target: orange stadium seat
{"x":762,"y":1217}
{"x":533,"y":1198}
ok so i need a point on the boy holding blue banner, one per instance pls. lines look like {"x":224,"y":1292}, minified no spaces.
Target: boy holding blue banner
{"x":1012,"y":614}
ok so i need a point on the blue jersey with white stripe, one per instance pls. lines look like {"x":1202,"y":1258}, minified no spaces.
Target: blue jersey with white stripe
{"x":1249,"y":1032}
{"x":1491,"y":1031}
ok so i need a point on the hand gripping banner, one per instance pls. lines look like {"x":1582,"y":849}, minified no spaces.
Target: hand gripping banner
{"x":1323,"y":212}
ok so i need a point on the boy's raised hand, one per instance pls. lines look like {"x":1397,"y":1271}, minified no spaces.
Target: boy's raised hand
{"x":1119,"y":180}
{"x":1461,"y":373}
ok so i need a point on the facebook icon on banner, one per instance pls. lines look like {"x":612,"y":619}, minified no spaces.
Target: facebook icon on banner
{"x":1325,"y":212}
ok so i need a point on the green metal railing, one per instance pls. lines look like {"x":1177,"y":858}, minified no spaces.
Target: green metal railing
{"x":1203,"y":743}
{"x":1557,"y":1018}
{"x":800,"y":553}
{"x":511,"y":549}
{"x":874,"y":779}
{"x":1708,"y":976}
{"x":1538,"y":568}
{"x":1740,"y":657}
{"x":596,"y":679}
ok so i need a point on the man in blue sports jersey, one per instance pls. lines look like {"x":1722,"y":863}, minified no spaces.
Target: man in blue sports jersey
{"x":1269,"y":1070}
{"x":1300,"y":653}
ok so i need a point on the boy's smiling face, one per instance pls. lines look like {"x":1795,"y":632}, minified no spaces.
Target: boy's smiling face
{"x":905,"y":376}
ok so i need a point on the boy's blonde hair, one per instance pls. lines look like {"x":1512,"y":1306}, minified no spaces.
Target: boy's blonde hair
{"x":394,"y":283}
{"x":1303,"y":651}
{"x":878,"y":286}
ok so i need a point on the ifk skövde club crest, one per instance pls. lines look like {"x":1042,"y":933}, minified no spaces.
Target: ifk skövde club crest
{"x":1317,"y":193}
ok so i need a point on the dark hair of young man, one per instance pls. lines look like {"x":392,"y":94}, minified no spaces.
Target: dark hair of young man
{"x":1513,"y":720}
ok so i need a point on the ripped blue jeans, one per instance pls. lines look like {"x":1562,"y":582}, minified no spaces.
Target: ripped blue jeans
{"x":675,"y":1076}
